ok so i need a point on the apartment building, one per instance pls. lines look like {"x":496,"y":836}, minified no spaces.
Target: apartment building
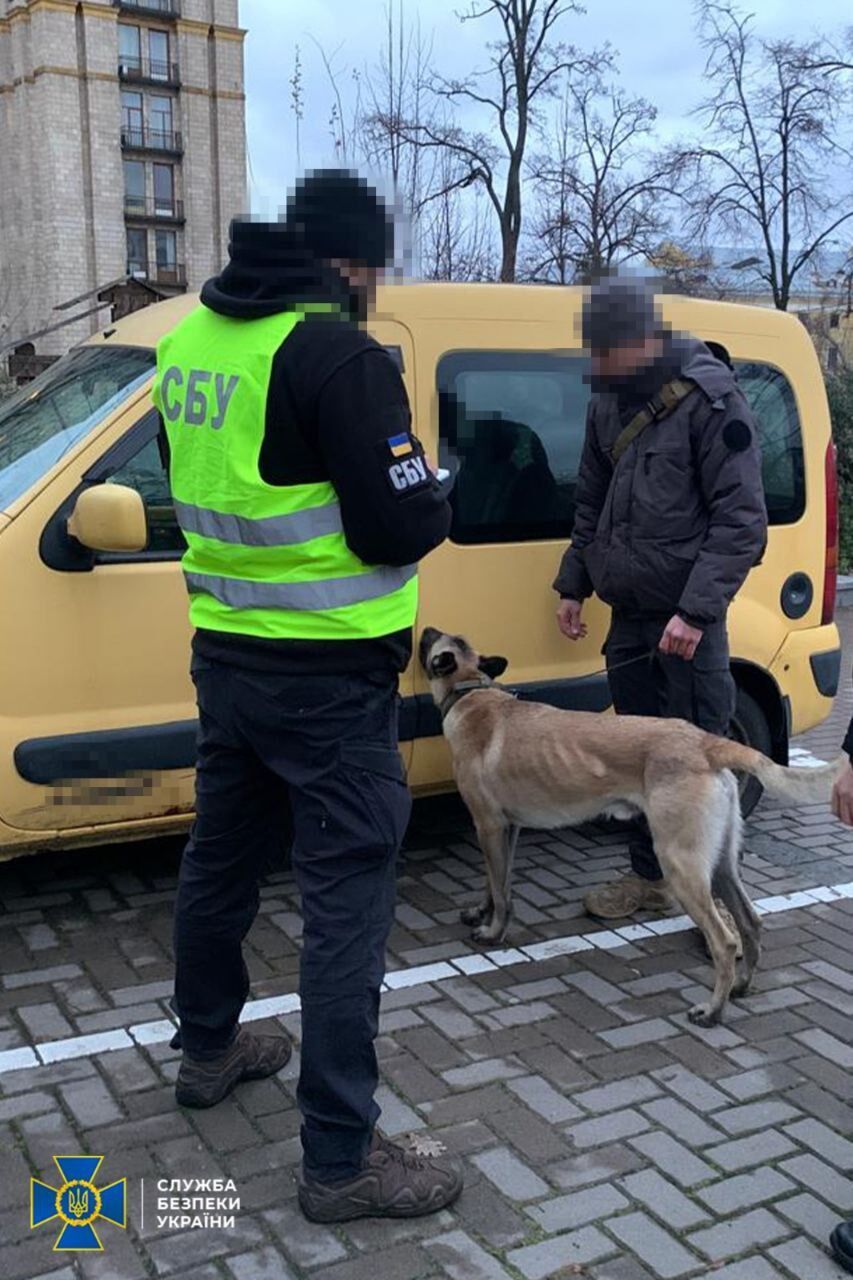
{"x":122,"y":156}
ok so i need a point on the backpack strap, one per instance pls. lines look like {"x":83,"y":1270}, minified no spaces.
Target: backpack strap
{"x":661,"y":405}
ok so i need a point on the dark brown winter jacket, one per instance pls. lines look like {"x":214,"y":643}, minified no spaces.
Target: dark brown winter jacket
{"x":676,"y":525}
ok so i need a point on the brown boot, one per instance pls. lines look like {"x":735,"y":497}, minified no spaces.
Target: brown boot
{"x":204,"y":1082}
{"x":398,"y":1181}
{"x":626,"y":896}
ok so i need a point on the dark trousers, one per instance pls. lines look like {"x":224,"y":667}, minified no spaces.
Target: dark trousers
{"x":319,"y":753}
{"x":701,"y":691}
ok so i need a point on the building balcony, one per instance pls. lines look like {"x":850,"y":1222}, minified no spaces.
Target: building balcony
{"x":169,"y":141}
{"x":149,"y":71}
{"x":153,"y":8}
{"x":154,"y":210}
{"x":173,"y":277}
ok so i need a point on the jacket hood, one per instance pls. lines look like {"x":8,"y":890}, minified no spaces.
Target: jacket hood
{"x":271,"y":270}
{"x":699,"y":364}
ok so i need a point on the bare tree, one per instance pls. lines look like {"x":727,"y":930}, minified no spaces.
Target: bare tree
{"x":833,"y":59}
{"x":688,"y":271}
{"x":345,"y":121}
{"x":769,"y":170}
{"x":602,"y":199}
{"x":394,"y":93}
{"x":396,"y":102}
{"x":523,"y":70}
{"x":454,"y":230}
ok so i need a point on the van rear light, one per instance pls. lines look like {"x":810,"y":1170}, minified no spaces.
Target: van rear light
{"x":830,"y":575}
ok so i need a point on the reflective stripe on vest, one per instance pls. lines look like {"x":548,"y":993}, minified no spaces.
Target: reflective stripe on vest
{"x":269,"y":531}
{"x":262,"y":560}
{"x":331,"y":593}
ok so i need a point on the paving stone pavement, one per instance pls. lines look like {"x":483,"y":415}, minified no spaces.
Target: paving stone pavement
{"x":603,"y":1135}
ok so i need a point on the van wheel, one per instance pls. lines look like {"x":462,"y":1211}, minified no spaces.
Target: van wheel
{"x":750,"y":726}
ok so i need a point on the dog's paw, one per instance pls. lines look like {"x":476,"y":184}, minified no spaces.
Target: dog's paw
{"x":701,"y":1016}
{"x":486,"y":935}
{"x":473,"y":915}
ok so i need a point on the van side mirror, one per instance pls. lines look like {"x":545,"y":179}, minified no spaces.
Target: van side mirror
{"x":109,"y":517}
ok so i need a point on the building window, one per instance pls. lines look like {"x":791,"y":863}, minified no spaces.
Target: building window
{"x":160,"y":119}
{"x":131,"y":118}
{"x":134,"y":186}
{"x":137,"y":252}
{"x":129,"y":51}
{"x":164,"y":191}
{"x":158,"y":54}
{"x":166,"y":249}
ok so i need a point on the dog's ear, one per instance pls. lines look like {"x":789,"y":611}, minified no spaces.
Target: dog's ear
{"x":493,"y":667}
{"x":443,"y":664}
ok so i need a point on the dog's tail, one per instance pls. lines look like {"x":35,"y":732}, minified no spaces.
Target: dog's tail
{"x":798,"y":786}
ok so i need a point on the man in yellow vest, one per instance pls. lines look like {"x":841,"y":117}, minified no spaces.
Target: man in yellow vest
{"x":306,"y":503}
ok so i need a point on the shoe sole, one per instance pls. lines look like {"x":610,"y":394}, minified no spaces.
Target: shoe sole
{"x":198,"y":1102}
{"x":629,"y":915}
{"x":338,"y":1213}
{"x":841,"y":1256}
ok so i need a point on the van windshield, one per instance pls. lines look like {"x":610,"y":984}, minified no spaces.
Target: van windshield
{"x":50,"y":415}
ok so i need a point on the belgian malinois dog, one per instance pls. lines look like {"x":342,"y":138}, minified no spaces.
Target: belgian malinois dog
{"x":524,"y":764}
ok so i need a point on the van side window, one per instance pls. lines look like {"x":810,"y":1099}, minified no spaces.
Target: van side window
{"x":771,"y":399}
{"x":146,"y":473}
{"x":511,"y":426}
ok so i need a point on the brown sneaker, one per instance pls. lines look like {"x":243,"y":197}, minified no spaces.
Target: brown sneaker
{"x":398,"y":1181}
{"x":204,"y":1082}
{"x":626,"y":896}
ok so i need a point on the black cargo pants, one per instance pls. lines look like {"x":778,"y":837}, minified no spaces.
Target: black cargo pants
{"x":701,"y":691}
{"x":321,"y":753}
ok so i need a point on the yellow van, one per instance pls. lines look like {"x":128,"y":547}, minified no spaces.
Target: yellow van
{"x":97,"y":713}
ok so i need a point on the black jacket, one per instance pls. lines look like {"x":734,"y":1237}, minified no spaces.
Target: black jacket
{"x":678,"y":522}
{"x":335,"y":399}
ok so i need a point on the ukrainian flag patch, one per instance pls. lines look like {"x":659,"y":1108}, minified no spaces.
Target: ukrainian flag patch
{"x":402,"y":445}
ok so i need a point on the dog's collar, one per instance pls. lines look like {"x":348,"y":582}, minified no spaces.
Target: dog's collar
{"x":461,"y":690}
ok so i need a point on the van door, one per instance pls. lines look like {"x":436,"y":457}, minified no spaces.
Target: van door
{"x":99,"y":710}
{"x":509,"y":421}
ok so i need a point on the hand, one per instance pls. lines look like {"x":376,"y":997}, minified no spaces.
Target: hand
{"x":680,"y":639}
{"x":569,"y":619}
{"x":842,"y":797}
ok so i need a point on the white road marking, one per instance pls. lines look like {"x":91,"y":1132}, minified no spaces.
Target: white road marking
{"x":29,"y":1057}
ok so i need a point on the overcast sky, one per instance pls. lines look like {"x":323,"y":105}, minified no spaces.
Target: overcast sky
{"x":659,"y":58}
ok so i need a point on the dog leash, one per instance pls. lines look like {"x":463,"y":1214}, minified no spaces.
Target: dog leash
{"x":629,"y":662}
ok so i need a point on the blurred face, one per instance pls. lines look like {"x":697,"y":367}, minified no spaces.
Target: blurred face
{"x":362,"y":279}
{"x":621,"y":362}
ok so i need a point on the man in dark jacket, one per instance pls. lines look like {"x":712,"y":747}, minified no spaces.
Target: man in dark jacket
{"x":669,"y":520}
{"x":306,"y":503}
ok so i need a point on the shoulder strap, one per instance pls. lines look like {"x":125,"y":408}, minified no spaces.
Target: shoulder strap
{"x":660,"y":406}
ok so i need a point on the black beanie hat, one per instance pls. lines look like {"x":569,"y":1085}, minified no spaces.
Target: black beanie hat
{"x":338,"y":215}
